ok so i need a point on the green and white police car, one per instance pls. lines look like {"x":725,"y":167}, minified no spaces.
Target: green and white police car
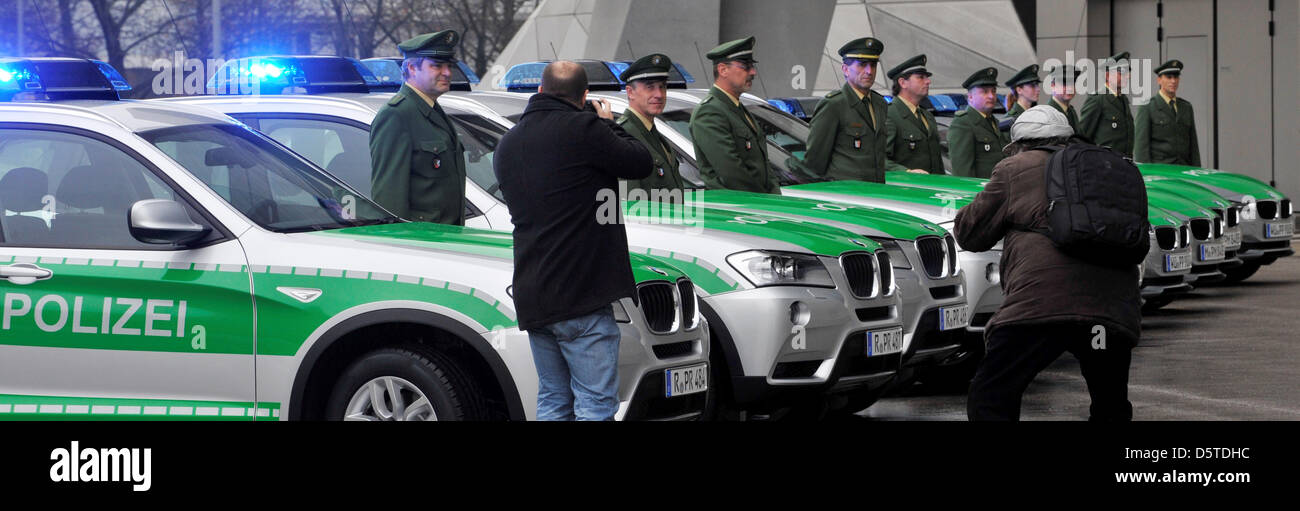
{"x":797,"y":309}
{"x":160,"y":261}
{"x":1267,"y":217}
{"x":930,"y":282}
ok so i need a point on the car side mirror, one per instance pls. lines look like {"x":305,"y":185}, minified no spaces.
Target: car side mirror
{"x":163,"y":222}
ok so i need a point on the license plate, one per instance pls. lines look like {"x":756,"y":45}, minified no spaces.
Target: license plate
{"x":1212,"y":251}
{"x":954,"y":317}
{"x":884,"y":342}
{"x":1232,"y":239}
{"x":1280,"y":230}
{"x":1176,"y":262}
{"x":686,"y":380}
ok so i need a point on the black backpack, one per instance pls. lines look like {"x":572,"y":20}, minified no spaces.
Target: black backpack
{"x":1096,"y":205}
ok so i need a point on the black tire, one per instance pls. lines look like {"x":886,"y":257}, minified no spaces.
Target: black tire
{"x":436,"y":377}
{"x":1155,"y":303}
{"x":1242,"y":272}
{"x":858,"y":401}
{"x":719,"y":401}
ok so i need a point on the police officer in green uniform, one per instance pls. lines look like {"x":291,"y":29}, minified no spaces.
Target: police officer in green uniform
{"x":1061,"y":85}
{"x":729,"y":146}
{"x":1027,"y":87}
{"x":847,"y":133}
{"x":1107,"y":117}
{"x":419,"y":162}
{"x":647,"y":91}
{"x":912,"y":134}
{"x":1166,"y":126}
{"x":974,"y":142}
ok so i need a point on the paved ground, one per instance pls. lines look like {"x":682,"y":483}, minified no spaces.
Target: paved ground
{"x":1222,"y":353}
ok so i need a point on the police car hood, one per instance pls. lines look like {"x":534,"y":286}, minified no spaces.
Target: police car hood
{"x":860,"y":219}
{"x":937,"y":206}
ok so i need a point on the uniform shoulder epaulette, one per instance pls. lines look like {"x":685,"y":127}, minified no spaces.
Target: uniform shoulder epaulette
{"x":396,"y":99}
{"x":707,"y":99}
{"x":834,"y":93}
{"x":962,"y":112}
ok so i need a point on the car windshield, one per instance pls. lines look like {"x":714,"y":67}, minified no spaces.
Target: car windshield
{"x":783,"y":139}
{"x":783,"y":130}
{"x":268,"y":184}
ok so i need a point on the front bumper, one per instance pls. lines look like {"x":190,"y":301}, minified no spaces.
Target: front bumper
{"x":1257,"y":247}
{"x":922,"y":297}
{"x":1157,"y":280}
{"x":775,"y":360}
{"x":643,"y":358}
{"x":983,"y":277}
{"x":1204,"y":271}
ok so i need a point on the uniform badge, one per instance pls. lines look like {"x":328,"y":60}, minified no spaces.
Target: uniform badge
{"x":747,"y":146}
{"x":987,"y":147}
{"x":661,"y":172}
{"x":437,"y":164}
{"x":857,"y":143}
{"x":1114,"y":125}
{"x":911,"y":145}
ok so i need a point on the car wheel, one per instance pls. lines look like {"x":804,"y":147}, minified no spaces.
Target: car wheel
{"x":719,"y":402}
{"x":1155,"y":303}
{"x":395,"y":384}
{"x":1242,"y":272}
{"x":857,"y":402}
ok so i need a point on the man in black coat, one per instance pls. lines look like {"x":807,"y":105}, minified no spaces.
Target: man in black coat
{"x":558,"y":168}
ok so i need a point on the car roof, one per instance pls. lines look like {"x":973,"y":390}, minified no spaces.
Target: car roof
{"x":131,"y":115}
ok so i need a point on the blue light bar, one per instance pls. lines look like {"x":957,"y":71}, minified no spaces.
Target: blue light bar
{"x":387,"y":71}
{"x":943,"y":103}
{"x":788,"y":105}
{"x":366,"y":76}
{"x":307,"y":74}
{"x":526,"y":77}
{"x":53,"y":79}
{"x":686,"y":77}
{"x":617,"y":68}
{"x":470,"y":75}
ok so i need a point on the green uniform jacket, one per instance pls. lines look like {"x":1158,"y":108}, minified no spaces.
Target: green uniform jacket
{"x":1162,"y":136}
{"x":730,"y":151}
{"x":1107,"y":120}
{"x":419,"y":162}
{"x":974,"y":144}
{"x":1015,"y":110}
{"x":844,"y":141}
{"x":909,"y":143}
{"x":665,"y":175}
{"x":1070,"y":114}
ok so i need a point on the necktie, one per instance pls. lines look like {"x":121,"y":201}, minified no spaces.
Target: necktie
{"x":871,"y":112}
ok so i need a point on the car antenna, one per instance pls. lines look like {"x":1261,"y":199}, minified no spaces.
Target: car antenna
{"x":631,"y":53}
{"x":700,"y":55}
{"x":49,"y":40}
{"x":177,"y":28}
{"x":553,"y":52}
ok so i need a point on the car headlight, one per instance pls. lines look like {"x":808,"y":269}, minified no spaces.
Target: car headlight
{"x":1249,"y":212}
{"x":993,"y":274}
{"x":1287,"y":208}
{"x":764,"y":268}
{"x":897,"y":258}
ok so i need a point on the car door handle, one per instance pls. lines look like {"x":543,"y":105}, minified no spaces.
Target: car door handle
{"x":24,"y":274}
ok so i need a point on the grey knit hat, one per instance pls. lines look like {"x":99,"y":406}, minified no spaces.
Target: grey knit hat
{"x":1041,"y":121}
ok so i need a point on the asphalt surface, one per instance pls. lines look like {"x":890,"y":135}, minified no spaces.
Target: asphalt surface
{"x":1221,"y":353}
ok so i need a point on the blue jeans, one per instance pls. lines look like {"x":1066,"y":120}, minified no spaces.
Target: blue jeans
{"x":577,"y":367}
